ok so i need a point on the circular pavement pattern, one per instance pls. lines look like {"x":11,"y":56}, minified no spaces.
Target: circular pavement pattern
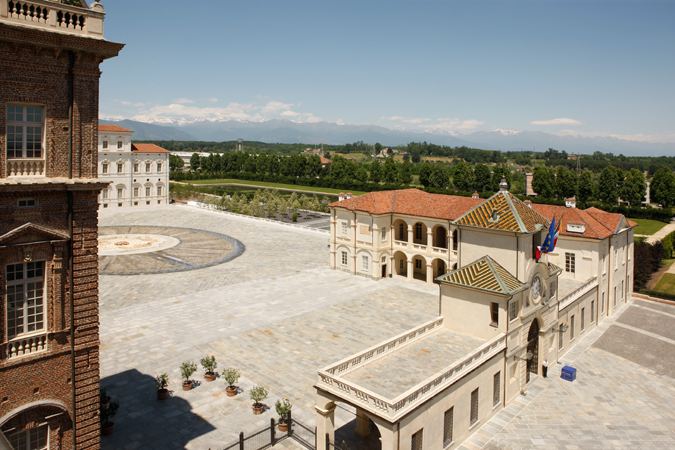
{"x":132,"y":250}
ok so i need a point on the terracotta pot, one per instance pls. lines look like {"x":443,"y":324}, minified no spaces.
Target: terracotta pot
{"x":283,"y":426}
{"x":107,"y":428}
{"x":187,"y":385}
{"x":210,"y":376}
{"x":231,"y":391}
{"x":258,"y":409}
{"x":162,"y":394}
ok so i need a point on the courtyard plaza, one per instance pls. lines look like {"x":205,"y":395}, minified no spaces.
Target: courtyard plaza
{"x":277,"y":313}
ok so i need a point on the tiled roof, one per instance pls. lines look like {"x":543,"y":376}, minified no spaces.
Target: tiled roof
{"x":552,"y":268}
{"x":147,"y":148}
{"x":325,"y":161}
{"x":410,"y":201}
{"x":598,"y":224}
{"x":503,"y":211}
{"x":113,"y":128}
{"x":485,"y":274}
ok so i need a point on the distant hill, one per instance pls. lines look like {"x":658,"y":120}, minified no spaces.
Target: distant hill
{"x":151,"y":132}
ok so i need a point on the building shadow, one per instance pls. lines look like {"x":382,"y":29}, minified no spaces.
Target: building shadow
{"x":347,"y":434}
{"x":142,"y":421}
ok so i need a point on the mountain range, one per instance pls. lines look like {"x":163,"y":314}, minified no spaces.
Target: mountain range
{"x":289,"y":132}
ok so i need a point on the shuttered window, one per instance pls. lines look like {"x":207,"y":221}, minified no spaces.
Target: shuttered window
{"x":474,"y":406}
{"x":447,"y":426}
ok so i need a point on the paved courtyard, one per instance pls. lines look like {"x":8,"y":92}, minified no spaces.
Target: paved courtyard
{"x":277,"y":313}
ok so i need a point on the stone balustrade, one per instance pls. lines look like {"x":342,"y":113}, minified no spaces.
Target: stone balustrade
{"x":25,"y":346}
{"x":25,"y":167}
{"x":56,"y":16}
{"x":578,"y":292}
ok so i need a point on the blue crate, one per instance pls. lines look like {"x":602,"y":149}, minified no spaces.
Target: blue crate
{"x":568,"y":373}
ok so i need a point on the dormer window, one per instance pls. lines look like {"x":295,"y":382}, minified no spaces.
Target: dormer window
{"x":576,"y":228}
{"x":495,"y":216}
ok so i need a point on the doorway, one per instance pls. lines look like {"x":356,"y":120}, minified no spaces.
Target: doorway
{"x":533,"y":346}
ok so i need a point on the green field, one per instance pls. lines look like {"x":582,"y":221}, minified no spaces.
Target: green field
{"x":264,"y":184}
{"x":648,"y":227}
{"x":666,"y":284}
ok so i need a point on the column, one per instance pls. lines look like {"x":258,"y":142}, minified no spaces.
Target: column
{"x":362,"y":423}
{"x":325,"y":424}
{"x":410,"y":235}
{"x":430,"y":273}
{"x":410,"y":269}
{"x":430,"y":238}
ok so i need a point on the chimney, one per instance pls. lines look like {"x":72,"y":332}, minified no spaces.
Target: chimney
{"x":341,"y":196}
{"x":528,"y":203}
{"x":475,"y":195}
{"x":571,"y":202}
{"x":349,"y":195}
{"x":503,"y":186}
{"x":528,"y":184}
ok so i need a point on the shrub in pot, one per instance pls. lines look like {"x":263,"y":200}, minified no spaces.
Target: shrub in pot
{"x":162,"y":381}
{"x":108,"y":413}
{"x":186,"y":371}
{"x":283,"y":409}
{"x":209,"y":364}
{"x":258,"y":394}
{"x":105,"y":399}
{"x":231,"y":377}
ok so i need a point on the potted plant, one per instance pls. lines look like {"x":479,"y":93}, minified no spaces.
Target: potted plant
{"x":283,"y":409}
{"x":231,"y":376}
{"x":108,"y":413}
{"x":162,"y":382}
{"x":209,"y":364}
{"x":105,"y":399}
{"x":186,"y":370}
{"x":258,"y":394}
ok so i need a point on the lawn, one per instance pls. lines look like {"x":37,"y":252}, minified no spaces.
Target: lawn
{"x":666,"y":284}
{"x":265,"y":184}
{"x":648,"y":227}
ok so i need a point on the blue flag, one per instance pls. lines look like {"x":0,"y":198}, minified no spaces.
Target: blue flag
{"x":549,"y":242}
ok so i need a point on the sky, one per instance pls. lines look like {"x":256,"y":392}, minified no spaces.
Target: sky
{"x":584,"y":68}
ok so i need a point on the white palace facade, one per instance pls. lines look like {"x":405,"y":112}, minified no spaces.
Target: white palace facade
{"x":138,"y":173}
{"x":501,"y":311}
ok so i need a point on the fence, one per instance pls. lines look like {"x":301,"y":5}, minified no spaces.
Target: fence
{"x":268,"y":436}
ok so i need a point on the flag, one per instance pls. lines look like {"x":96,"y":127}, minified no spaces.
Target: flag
{"x":549,"y":242}
{"x":555,"y":235}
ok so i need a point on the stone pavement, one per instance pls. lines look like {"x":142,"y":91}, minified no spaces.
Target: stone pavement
{"x":614,"y":403}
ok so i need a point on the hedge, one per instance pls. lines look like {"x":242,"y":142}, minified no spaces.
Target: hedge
{"x":657,"y":294}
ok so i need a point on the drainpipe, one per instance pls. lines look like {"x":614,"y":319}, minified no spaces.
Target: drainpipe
{"x":71,"y":105}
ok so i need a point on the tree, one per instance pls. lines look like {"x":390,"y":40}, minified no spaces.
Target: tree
{"x":634,"y":188}
{"x":375,"y":171}
{"x":390,"y":172}
{"x":543,"y":182}
{"x":463,"y":176}
{"x":585,"y":186}
{"x":500,"y":171}
{"x":608,"y":186}
{"x":361,"y":174}
{"x":404,"y":173}
{"x":176,"y":162}
{"x":378,"y":148}
{"x":415,"y":155}
{"x":425,"y":173}
{"x":194,"y":161}
{"x":482,"y":175}
{"x":439,"y":177}
{"x":565,"y":183}
{"x":662,"y":188}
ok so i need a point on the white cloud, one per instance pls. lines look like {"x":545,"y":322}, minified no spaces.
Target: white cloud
{"x":213,"y":100}
{"x":183,"y":100}
{"x":667,"y":137}
{"x":414,"y":120}
{"x":275,"y":107}
{"x":453,"y":125}
{"x":559,"y":121}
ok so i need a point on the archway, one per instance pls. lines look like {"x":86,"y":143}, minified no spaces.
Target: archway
{"x":439,"y":268}
{"x":440,"y":237}
{"x":400,"y":229}
{"x":533,"y":346}
{"x":420,"y":233}
{"x":400,"y":267}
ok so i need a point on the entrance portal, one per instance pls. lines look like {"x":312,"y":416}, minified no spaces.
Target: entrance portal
{"x":533,"y":346}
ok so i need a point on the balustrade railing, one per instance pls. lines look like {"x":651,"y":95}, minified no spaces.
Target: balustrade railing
{"x":578,"y":292}
{"x":26,"y":346}
{"x":443,"y":251}
{"x":25,"y":167}
{"x":420,"y":247}
{"x":401,"y":243}
{"x":55,"y":15}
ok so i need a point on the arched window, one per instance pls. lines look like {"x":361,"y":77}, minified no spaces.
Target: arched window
{"x":418,"y":231}
{"x":401,"y":233}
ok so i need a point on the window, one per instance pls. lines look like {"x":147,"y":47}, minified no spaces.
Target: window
{"x":30,"y":439}
{"x":120,"y":167}
{"x":496,"y":389}
{"x":494,"y":313}
{"x":572,"y":328}
{"x":120,"y":192}
{"x":159,"y":167}
{"x":135,"y":167}
{"x":592,"y":311}
{"x":159,"y":190}
{"x":147,"y":167}
{"x":615,"y":296}
{"x":560,"y":337}
{"x":513,"y":311}
{"x":583,"y":313}
{"x":401,"y":265}
{"x":622,"y":287}
{"x":417,"y":439}
{"x":120,"y":144}
{"x":569,"y":262}
{"x":105,"y":145}
{"x":147,"y":192}
{"x":616,"y":259}
{"x":24,"y":131}
{"x":119,"y":204}
{"x":604,"y":264}
{"x":25,"y":303}
{"x":27,"y":203}
{"x":602,"y":305}
{"x":418,"y":231}
{"x":104,"y":194}
{"x":418,"y":264}
{"x":448,"y":420}
{"x":344,"y":258}
{"x":104,"y":168}
{"x":628,"y":286}
{"x":551,"y":293}
{"x":364,"y":262}
{"x":135,"y":192}
{"x":401,"y":233}
{"x":384,"y":234}
{"x":474,"y":407}
{"x":344,"y":228}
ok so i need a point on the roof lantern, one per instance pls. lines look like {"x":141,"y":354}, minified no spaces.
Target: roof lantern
{"x":503,"y":186}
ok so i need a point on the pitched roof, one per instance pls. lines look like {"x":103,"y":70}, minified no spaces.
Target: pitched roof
{"x":552,"y":268}
{"x":113,"y":128}
{"x":485,"y":274}
{"x":147,"y":148}
{"x":503,"y":211}
{"x":410,"y":201}
{"x":598,"y":224}
{"x":325,"y":160}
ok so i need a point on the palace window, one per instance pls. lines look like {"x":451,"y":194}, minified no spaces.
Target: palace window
{"x":417,"y":440}
{"x":496,"y":389}
{"x":513,"y":311}
{"x":27,"y":203}
{"x":25,"y":301}
{"x":616,"y":259}
{"x":474,"y":407}
{"x":384,"y":234}
{"x":401,"y":233}
{"x":147,"y":192}
{"x":494,"y":313}
{"x":159,"y":190}
{"x":569,"y":262}
{"x":583,"y":313}
{"x":24,"y":131}
{"x":448,"y":420}
{"x":615,"y":296}
{"x":120,"y":167}
{"x":602,"y":305}
{"x":104,"y":194}
{"x":560,"y":337}
{"x":344,"y":228}
{"x":135,"y":167}
{"x":135,"y":192}
{"x":551,"y":292}
{"x":159,"y":167}
{"x":418,"y":264}
{"x":30,"y":439}
{"x":622,"y":287}
{"x":344,"y":258}
{"x":401,"y":265}
{"x":418,"y":231}
{"x":120,"y":192}
{"x":364,"y":262}
{"x":628,"y":286}
{"x":147,"y":167}
{"x":572,"y":328}
{"x":104,"y":168}
{"x":105,"y":145}
{"x":592,"y":311}
{"x":120,"y":144}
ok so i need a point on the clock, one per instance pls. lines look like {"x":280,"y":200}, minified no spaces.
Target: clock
{"x":536,"y":288}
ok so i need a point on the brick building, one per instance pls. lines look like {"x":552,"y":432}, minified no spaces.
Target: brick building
{"x":49,"y":345}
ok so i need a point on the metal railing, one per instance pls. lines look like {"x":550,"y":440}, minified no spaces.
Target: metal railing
{"x":269,"y":436}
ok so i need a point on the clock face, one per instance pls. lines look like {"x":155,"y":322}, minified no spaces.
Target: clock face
{"x":536,"y":288}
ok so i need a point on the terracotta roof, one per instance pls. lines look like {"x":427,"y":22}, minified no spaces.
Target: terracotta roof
{"x":147,"y":148}
{"x":325,"y":161}
{"x":552,"y":269}
{"x":410,"y":201}
{"x":503,"y":211}
{"x":113,"y":128}
{"x":485,"y":274}
{"x":598,"y":224}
